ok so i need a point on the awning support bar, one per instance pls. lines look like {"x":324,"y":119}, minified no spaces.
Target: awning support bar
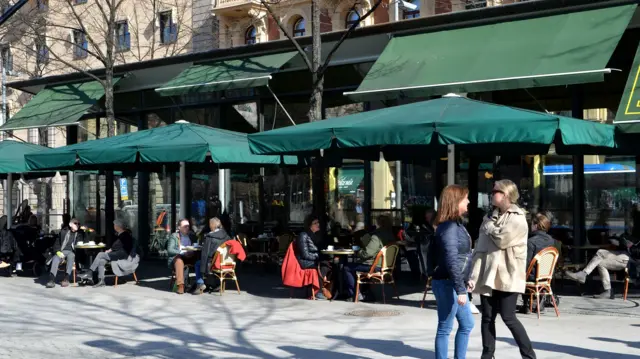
{"x":281,"y":106}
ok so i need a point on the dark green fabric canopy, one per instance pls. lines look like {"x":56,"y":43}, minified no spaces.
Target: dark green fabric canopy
{"x":448,"y":120}
{"x":226,"y":74}
{"x":61,"y":105}
{"x":12,"y":158}
{"x":547,"y":51}
{"x":179,"y":142}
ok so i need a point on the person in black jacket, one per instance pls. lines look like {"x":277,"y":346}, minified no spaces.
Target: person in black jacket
{"x":306,"y":250}
{"x":9,"y":250}
{"x":212,"y":241}
{"x":120,"y":249}
{"x":450,"y":279}
{"x":538,"y":240}
{"x":64,"y":248}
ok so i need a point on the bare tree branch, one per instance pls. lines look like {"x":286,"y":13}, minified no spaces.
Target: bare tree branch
{"x":275,"y":17}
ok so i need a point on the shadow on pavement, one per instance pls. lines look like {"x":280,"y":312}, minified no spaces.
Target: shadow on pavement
{"x":571,"y":350}
{"x":392,"y":348}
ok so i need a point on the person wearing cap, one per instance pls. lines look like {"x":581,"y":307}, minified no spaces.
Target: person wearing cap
{"x":64,"y":248}
{"x":120,"y":249}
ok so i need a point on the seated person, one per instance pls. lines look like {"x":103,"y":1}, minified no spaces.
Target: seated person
{"x":306,"y":250}
{"x":371,"y":245}
{"x":64,"y":248}
{"x":9,"y":250}
{"x":120,"y":249}
{"x":538,"y":240}
{"x":179,"y":257}
{"x":627,"y":255}
{"x":212,"y":241}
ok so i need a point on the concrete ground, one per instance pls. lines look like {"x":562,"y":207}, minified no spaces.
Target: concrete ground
{"x":147,"y":321}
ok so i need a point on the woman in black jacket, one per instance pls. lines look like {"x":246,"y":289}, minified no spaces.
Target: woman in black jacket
{"x":450,"y":278}
{"x":306,"y":250}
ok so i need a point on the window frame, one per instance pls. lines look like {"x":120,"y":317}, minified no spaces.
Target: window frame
{"x":168,"y":29}
{"x":411,"y":14}
{"x":80,"y":50}
{"x":7,"y":61}
{"x":42,"y":51}
{"x":299,"y":32}
{"x":253,"y":38}
{"x":348,"y":21}
{"x":79,"y":2}
{"x":475,"y":4}
{"x":122,"y":41}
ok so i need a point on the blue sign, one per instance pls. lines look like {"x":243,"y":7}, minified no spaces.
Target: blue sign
{"x":124,"y":189}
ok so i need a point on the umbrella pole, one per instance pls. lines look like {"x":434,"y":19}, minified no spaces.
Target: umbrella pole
{"x":9,"y":193}
{"x":451,"y":164}
{"x":183,"y":190}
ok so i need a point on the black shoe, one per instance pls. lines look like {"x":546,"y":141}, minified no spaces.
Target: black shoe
{"x":99,"y":284}
{"x":524,"y":309}
{"x":51,"y":284}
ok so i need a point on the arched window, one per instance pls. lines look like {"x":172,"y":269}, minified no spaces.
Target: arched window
{"x":352,"y":18}
{"x":298,"y":27}
{"x":412,"y":14}
{"x":250,"y":36}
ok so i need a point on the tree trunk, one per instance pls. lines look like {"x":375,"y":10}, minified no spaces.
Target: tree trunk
{"x":315,"y":102}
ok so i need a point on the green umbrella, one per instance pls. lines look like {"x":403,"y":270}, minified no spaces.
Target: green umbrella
{"x":168,"y":145}
{"x":12,"y":159}
{"x":448,"y":120}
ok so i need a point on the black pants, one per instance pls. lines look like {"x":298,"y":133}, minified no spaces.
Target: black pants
{"x":502,"y":303}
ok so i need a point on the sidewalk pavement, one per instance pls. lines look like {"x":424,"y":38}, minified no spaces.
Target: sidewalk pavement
{"x":147,"y":321}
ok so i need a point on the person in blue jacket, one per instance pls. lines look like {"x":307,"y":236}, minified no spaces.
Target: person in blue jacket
{"x":450,"y":279}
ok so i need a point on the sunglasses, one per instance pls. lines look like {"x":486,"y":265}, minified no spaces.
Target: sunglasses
{"x":496,"y":191}
{"x":315,"y":223}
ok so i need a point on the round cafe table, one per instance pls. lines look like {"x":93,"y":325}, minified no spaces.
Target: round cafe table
{"x":343,"y":258}
{"x":91,"y":250}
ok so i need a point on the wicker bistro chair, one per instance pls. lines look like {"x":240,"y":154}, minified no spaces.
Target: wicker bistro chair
{"x":545,"y":263}
{"x":387,"y":258}
{"x":227,"y":270}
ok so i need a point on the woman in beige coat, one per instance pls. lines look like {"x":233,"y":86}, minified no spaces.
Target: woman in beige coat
{"x":498,"y":268}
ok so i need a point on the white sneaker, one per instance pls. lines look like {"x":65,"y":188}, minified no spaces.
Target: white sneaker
{"x":19,"y":267}
{"x":4,"y":265}
{"x":474,"y":309}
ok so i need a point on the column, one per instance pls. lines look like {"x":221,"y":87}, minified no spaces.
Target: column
{"x":577,"y":110}
{"x":174,"y":199}
{"x":9,"y":199}
{"x":222,"y":191}
{"x":144,"y":230}
{"x":109,"y":206}
{"x":367,"y":194}
{"x":72,"y":138}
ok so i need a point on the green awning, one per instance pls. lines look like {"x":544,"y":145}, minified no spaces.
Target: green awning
{"x":349,"y":179}
{"x":61,"y":105}
{"x":178,"y":142}
{"x":418,"y":129}
{"x":628,"y":115}
{"x":226,"y":75}
{"x":554,"y":50}
{"x":12,"y":157}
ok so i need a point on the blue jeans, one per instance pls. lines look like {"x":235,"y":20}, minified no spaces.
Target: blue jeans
{"x":448,"y":309}
{"x":349,"y":273}
{"x":199,"y":279}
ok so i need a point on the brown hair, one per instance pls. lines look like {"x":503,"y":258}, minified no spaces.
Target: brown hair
{"x":542,"y":220}
{"x":450,"y":199}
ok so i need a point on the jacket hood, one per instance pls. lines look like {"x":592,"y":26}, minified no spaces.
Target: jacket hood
{"x":541,"y":234}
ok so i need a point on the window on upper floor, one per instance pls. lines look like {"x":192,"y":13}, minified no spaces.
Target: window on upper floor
{"x":123,"y":38}
{"x":299,"y":27}
{"x":81,"y":46}
{"x":250,"y":35}
{"x":42,"y":4}
{"x":78,"y":2}
{"x":168,"y":29}
{"x":353,"y":17}
{"x":475,"y":4}
{"x":7,"y":58}
{"x":42,"y":51}
{"x":412,"y":10}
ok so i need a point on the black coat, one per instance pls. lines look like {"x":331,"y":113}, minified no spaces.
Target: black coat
{"x":210,"y":245}
{"x":8,"y":243}
{"x":306,"y":251}
{"x":74,"y":238}
{"x":122,"y":247}
{"x":538,"y":241}
{"x":453,"y":260}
